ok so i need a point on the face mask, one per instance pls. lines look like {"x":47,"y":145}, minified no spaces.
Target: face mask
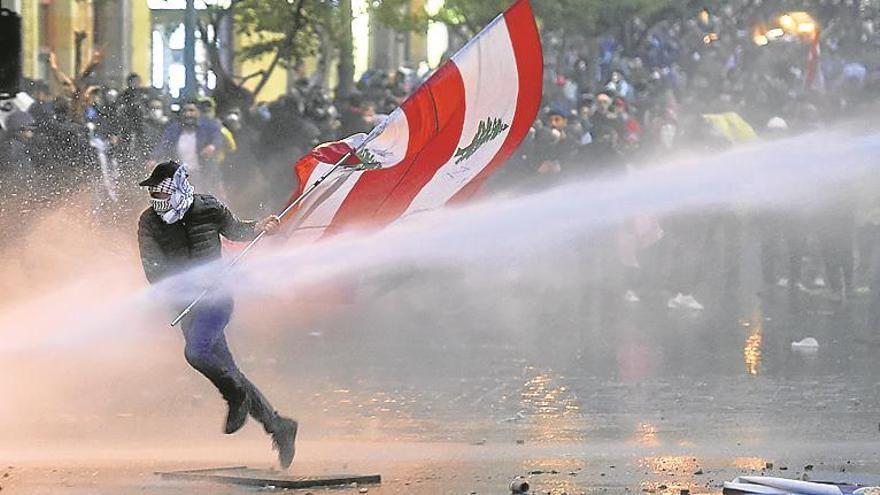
{"x":160,"y":205}
{"x":156,"y":113}
{"x":175,"y":207}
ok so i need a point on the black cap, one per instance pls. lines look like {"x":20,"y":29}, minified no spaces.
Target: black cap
{"x":162,"y":171}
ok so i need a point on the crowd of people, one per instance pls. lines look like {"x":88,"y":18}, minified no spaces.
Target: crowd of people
{"x":101,"y":139}
{"x":609,"y":103}
{"x":613,"y":106}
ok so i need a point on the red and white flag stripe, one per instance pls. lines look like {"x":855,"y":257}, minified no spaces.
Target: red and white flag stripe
{"x":444,"y":141}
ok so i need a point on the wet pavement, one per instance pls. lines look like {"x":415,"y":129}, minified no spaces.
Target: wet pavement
{"x":458,"y":380}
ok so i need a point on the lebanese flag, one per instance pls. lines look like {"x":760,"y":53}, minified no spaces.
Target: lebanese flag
{"x":440,"y":146}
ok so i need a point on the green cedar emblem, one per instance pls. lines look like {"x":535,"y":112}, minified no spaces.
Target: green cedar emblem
{"x":368,"y":160}
{"x":486,"y":131}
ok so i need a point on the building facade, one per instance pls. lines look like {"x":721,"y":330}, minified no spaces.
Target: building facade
{"x":146,"y":37}
{"x":74,"y":29}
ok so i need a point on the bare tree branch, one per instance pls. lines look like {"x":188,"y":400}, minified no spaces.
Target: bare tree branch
{"x":288,"y":40}
{"x":248,"y":77}
{"x":213,"y":51}
{"x":267,"y":73}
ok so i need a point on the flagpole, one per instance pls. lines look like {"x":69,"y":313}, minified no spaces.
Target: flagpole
{"x":296,"y":202}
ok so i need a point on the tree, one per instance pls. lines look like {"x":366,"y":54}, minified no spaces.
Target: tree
{"x":288,"y":31}
{"x":586,"y":18}
{"x":346,"y":51}
{"x":467,"y":17}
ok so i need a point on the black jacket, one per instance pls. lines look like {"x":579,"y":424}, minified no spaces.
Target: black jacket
{"x":167,"y":249}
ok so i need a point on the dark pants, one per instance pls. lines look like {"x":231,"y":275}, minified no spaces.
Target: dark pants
{"x":206,"y":351}
{"x":837,"y":232}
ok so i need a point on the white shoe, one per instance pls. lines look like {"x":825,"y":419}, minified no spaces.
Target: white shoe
{"x":631,"y":296}
{"x":782,"y":282}
{"x":819,"y":282}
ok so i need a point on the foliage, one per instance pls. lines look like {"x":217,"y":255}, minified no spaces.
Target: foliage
{"x":286,"y":28}
{"x":567,"y":17}
{"x":287,"y":31}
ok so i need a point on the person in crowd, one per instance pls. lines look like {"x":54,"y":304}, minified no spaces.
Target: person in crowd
{"x":208,"y":110}
{"x":557,"y":145}
{"x":65,"y":158}
{"x":19,"y":154}
{"x":133,"y":111}
{"x":615,"y":101}
{"x":357,"y":116}
{"x":41,"y":110}
{"x":154,"y":124}
{"x":195,"y":142}
{"x":78,"y":87}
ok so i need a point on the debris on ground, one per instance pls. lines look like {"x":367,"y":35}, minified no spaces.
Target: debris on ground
{"x":519,"y":485}
{"x":808,"y":345}
{"x":767,"y":485}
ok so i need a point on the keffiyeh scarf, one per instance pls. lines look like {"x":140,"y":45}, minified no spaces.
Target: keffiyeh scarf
{"x":175,"y":207}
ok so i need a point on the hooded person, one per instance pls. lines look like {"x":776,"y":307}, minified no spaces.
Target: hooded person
{"x":180,"y":230}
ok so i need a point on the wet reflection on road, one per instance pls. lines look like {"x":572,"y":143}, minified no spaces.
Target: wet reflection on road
{"x":674,"y":474}
{"x":548,"y":405}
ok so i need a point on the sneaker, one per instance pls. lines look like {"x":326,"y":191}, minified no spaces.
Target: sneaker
{"x":631,"y":296}
{"x":819,"y":282}
{"x":237,"y":415}
{"x":782,"y":282}
{"x":284,"y":440}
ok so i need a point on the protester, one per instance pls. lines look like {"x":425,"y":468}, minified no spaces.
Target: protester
{"x":131,"y":110}
{"x":154,"y":123}
{"x":610,"y":103}
{"x":181,"y":230}
{"x":194,"y":141}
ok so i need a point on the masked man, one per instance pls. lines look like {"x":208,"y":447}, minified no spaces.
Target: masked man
{"x":182,"y":230}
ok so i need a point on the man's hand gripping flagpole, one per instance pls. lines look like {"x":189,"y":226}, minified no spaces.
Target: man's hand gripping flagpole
{"x":296,"y":202}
